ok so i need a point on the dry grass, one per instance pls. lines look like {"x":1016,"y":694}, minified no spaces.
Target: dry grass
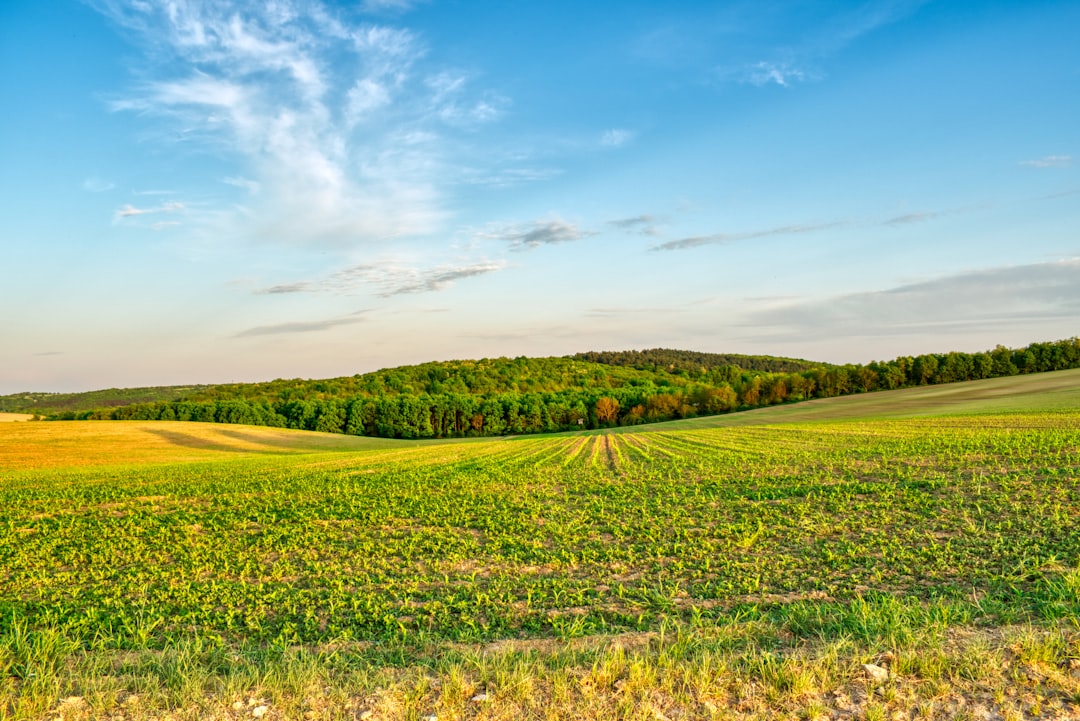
{"x":13,"y":417}
{"x":56,"y":444}
{"x":734,"y":671}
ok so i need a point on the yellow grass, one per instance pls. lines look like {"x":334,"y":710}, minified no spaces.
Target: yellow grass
{"x":12,"y":417}
{"x":56,"y":444}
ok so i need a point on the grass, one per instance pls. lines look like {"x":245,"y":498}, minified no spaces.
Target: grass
{"x":1054,"y":391}
{"x":90,"y":443}
{"x":155,"y":570}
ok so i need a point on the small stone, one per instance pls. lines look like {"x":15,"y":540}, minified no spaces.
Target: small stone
{"x":365,"y":715}
{"x":237,"y":705}
{"x":876,"y":673}
{"x":480,"y":697}
{"x":259,"y":711}
{"x":431,"y":717}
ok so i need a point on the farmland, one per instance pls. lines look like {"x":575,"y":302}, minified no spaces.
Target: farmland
{"x":675,"y":570}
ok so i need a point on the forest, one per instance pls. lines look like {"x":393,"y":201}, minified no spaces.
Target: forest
{"x":495,"y":397}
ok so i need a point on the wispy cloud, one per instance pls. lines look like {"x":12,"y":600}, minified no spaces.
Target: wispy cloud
{"x":251,"y":186}
{"x":453,"y":106}
{"x":616,"y":137}
{"x":803,"y":62}
{"x":130,"y":211}
{"x":388,"y":279}
{"x":622,"y":312}
{"x":507,"y":177}
{"x":382,"y":6}
{"x":298,"y":327}
{"x":97,"y":185}
{"x":332,"y":118}
{"x":1049,"y":161}
{"x":644,"y":224}
{"x":533,"y":235}
{"x":979,"y":299}
{"x":909,"y":218}
{"x":783,"y":74}
{"x":725,"y":238}
{"x":1062,"y":194}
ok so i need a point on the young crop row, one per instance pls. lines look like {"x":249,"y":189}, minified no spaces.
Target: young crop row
{"x":541,"y":536}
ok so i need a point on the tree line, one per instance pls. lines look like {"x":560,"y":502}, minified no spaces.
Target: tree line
{"x":404,"y":414}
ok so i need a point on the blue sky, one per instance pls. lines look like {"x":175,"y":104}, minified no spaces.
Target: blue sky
{"x":211,"y":191}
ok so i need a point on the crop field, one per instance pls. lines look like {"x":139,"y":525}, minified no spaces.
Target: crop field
{"x":744,"y":572}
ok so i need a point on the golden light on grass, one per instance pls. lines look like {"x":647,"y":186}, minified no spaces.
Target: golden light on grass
{"x":14,"y":417}
{"x":55,"y":444}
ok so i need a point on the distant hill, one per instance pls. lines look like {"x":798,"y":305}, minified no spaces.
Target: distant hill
{"x":46,"y":403}
{"x":671,"y":360}
{"x":594,"y":370}
{"x":509,"y":396}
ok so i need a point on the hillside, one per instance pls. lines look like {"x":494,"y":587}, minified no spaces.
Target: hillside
{"x":48,"y":403}
{"x":492,"y":376}
{"x":513,"y":396}
{"x":1053,"y":391}
{"x":877,"y":569}
{"x":666,"y":359}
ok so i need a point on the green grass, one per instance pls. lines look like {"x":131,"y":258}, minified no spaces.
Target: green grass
{"x":742,"y":572}
{"x":1053,"y":391}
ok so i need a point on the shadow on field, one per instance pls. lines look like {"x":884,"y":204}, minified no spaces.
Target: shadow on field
{"x":263,"y":439}
{"x":272,"y":441}
{"x":189,"y":441}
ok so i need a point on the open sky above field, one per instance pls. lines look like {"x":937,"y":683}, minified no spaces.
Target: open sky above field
{"x":207,"y":191}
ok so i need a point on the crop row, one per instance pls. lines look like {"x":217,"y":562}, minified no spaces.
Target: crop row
{"x":537,"y":536}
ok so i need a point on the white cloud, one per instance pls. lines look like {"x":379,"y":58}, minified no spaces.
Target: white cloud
{"x":453,"y":107}
{"x":251,"y":186}
{"x":616,"y":137}
{"x":367,"y":96}
{"x":388,"y":278}
{"x":329,"y":118}
{"x":130,"y":211}
{"x":1049,"y":161}
{"x":783,"y":74}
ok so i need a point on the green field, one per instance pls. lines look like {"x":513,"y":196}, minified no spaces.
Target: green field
{"x":684,"y":570}
{"x":1056,"y":391}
